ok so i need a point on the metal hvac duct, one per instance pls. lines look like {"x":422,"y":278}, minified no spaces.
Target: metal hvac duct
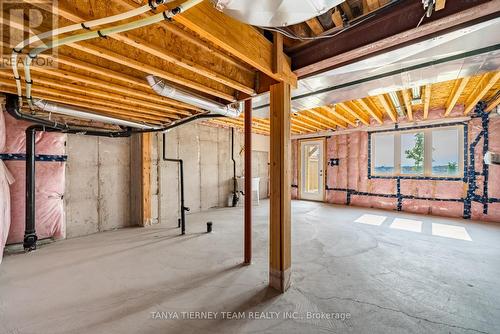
{"x":274,"y":13}
{"x":166,"y":90}
{"x":80,"y":113}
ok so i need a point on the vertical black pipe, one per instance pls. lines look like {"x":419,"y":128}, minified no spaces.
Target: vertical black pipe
{"x":183,"y":208}
{"x":30,"y":236}
{"x":235,"y":186}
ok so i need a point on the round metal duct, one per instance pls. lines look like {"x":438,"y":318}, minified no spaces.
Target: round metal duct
{"x":274,"y":13}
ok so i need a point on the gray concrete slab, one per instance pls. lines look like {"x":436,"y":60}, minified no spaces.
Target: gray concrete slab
{"x":390,"y":272}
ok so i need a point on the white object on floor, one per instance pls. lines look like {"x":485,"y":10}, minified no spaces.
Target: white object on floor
{"x":255,"y":187}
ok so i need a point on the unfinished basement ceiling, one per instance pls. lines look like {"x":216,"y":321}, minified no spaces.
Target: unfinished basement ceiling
{"x":466,"y":52}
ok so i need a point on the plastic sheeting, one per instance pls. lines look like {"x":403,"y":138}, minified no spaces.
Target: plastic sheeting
{"x":352,"y":173}
{"x":5,"y":180}
{"x":50,"y":181}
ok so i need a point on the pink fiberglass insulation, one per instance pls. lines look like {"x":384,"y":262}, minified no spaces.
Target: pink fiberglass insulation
{"x":352,"y":173}
{"x":49,"y":214}
{"x":50,"y":178}
{"x":5,"y":180}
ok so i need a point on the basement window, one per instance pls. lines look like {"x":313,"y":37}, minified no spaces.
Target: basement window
{"x":435,"y":152}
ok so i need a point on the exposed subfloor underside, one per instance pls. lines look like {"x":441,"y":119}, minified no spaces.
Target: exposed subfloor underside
{"x":392,"y":274}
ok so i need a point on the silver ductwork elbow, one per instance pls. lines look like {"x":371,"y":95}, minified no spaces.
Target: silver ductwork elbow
{"x":83,"y":114}
{"x":163,"y":89}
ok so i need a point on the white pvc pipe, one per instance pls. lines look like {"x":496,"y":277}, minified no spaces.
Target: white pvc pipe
{"x":80,"y":113}
{"x":165,"y":90}
{"x":102,"y":33}
{"x":59,"y":31}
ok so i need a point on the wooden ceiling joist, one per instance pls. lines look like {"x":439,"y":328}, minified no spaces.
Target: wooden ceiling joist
{"x":314,"y":121}
{"x":457,"y":91}
{"x":492,"y":104}
{"x":406,"y":93}
{"x":315,"y":26}
{"x":371,"y":109}
{"x":334,"y":112}
{"x":148,"y":69}
{"x":485,"y":84}
{"x":329,"y":120}
{"x":387,"y":108}
{"x":354,"y":112}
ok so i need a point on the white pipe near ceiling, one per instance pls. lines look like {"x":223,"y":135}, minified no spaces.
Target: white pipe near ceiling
{"x":395,"y":101}
{"x":163,"y":89}
{"x":80,"y":113}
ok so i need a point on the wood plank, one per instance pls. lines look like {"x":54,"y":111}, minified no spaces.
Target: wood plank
{"x":332,"y":111}
{"x":370,"y":108}
{"x":326,"y":119}
{"x":146,"y":146}
{"x":312,"y":128}
{"x":407,"y":100}
{"x":277,"y":52}
{"x":457,"y":91}
{"x":315,"y":26}
{"x":337,"y":18}
{"x":280,"y":181}
{"x":316,"y":123}
{"x":148,"y":69}
{"x":355,"y":113}
{"x":493,"y":104}
{"x":440,"y":4}
{"x":387,"y":108}
{"x":237,"y":38}
{"x":485,"y":84}
{"x":427,"y":100}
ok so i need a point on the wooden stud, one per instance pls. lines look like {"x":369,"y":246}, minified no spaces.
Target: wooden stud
{"x":388,"y":109}
{"x":407,"y":100}
{"x":457,"y":91}
{"x":487,"y":81}
{"x":277,"y":52}
{"x":280,"y":180}
{"x":140,"y":199}
{"x":370,"y":108}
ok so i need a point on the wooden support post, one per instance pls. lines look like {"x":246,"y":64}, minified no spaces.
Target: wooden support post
{"x":248,"y":182}
{"x":140,"y":176}
{"x":280,"y":181}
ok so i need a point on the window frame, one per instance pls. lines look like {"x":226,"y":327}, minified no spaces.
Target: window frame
{"x":428,"y":136}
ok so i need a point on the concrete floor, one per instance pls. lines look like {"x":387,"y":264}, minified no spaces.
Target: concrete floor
{"x":387,"y":272}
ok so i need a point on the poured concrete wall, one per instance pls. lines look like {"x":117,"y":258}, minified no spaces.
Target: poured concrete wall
{"x":97,"y":184}
{"x":208,"y":169}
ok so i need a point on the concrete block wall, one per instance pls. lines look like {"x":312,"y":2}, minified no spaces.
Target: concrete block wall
{"x":208,"y":169}
{"x":97,"y":184}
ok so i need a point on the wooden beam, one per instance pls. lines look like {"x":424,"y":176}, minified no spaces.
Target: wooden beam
{"x":302,"y":125}
{"x":337,"y":18}
{"x":140,"y":198}
{"x":277,"y":52}
{"x":427,"y":100}
{"x":355,"y":113}
{"x":440,"y":4}
{"x":493,"y":104}
{"x":487,"y":81}
{"x":248,"y":184}
{"x":332,"y":110}
{"x":371,"y":5}
{"x":237,"y":38}
{"x":280,"y":256}
{"x":315,"y":26}
{"x":457,"y":91}
{"x":388,"y":109}
{"x":407,"y":100}
{"x":326,"y":119}
{"x":370,"y":108}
